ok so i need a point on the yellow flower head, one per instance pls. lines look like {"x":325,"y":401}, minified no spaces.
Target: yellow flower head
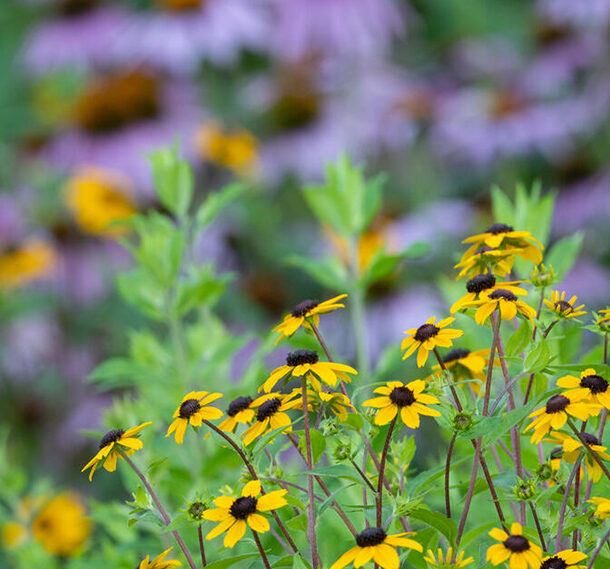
{"x":271,"y":414}
{"x":427,"y":336}
{"x":61,"y":526}
{"x":239,"y":411}
{"x":603,"y":317}
{"x":505,"y":301}
{"x":373,"y":544}
{"x":235,"y":514}
{"x":98,"y":198}
{"x":484,"y":283}
{"x":195,"y":407}
{"x":338,"y":403}
{"x":407,"y":399}
{"x":572,"y":448}
{"x":563,"y":560}
{"x":479,"y":261}
{"x":237,"y":150}
{"x":602,"y":507}
{"x":504,"y":236}
{"x":159,"y":562}
{"x":303,"y":312}
{"x":112,"y":446}
{"x":13,"y":534}
{"x":521,"y":552}
{"x":563,"y":308}
{"x":25,"y":263}
{"x":555,"y":414}
{"x":588,"y":385}
{"x":447,"y":562}
{"x":465,"y":364}
{"x":305,"y":363}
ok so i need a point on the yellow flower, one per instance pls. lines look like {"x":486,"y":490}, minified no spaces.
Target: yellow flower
{"x":602,"y":507}
{"x":271,"y":414}
{"x":604,"y":316}
{"x":447,"y":562}
{"x":25,"y":263}
{"x":301,"y":314}
{"x":504,"y":236}
{"x":237,"y":150}
{"x":373,"y":544}
{"x":460,"y":358}
{"x":98,"y":198}
{"x":61,"y":526}
{"x":481,"y":260}
{"x":572,"y":447}
{"x":110,"y":450}
{"x":505,"y":301}
{"x":235,"y":514}
{"x":427,"y":336}
{"x":195,"y":407}
{"x":304,"y":363}
{"x":563,"y":308}
{"x":563,"y":560}
{"x":338,"y":403}
{"x":13,"y":535}
{"x":555,"y":414}
{"x":484,"y":283}
{"x":159,"y":562}
{"x":515,"y":547}
{"x":407,"y":399}
{"x":588,"y":385}
{"x":239,"y":411}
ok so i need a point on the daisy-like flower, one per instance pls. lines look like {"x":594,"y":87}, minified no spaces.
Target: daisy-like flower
{"x":604,"y":316}
{"x":407,"y":399}
{"x":590,"y":384}
{"x":555,"y":414}
{"x":373,"y":544}
{"x":112,"y":446}
{"x":504,"y":300}
{"x":466,"y":365}
{"x":504,"y":236}
{"x":235,"y":514}
{"x":427,"y":336}
{"x":514,"y":547}
{"x":25,"y":263}
{"x":195,"y":407}
{"x":602,"y":507}
{"x":239,"y":411}
{"x":563,"y":560}
{"x":304,"y":363}
{"x":572,"y":448}
{"x":302,"y":312}
{"x":484,"y":283}
{"x":447,"y":562}
{"x":159,"y":562}
{"x":271,"y":414}
{"x":477,"y":262}
{"x":562,"y":307}
{"x":338,"y":403}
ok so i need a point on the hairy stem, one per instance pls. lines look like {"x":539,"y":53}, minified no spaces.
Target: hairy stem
{"x":447,"y":471}
{"x":473,"y":479}
{"x":201,"y":547}
{"x":538,"y":526}
{"x":261,"y":550}
{"x":564,"y":503}
{"x":384,"y":455}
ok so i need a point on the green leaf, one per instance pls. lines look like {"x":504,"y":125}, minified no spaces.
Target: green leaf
{"x":446,"y":526}
{"x":116,"y":372}
{"x":318,"y":444}
{"x":228,"y":561}
{"x":563,"y":254}
{"x":216,"y":202}
{"x":299,"y":562}
{"x":502,"y":208}
{"x":519,"y":340}
{"x":538,"y":357}
{"x":173,"y":180}
{"x":328,"y":272}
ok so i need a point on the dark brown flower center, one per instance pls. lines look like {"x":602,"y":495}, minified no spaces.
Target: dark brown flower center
{"x":268,"y":408}
{"x":556,"y":453}
{"x":554,"y":563}
{"x":503,"y":293}
{"x":563,"y":306}
{"x":590,"y":439}
{"x":299,"y":357}
{"x":111,"y":437}
{"x":243,"y":507}
{"x":456,"y":354}
{"x":557,"y":403}
{"x":73,"y":8}
{"x":481,"y":282}
{"x":188,"y":408}
{"x":425,"y":332}
{"x":237,"y":405}
{"x":304,"y":307}
{"x":594,"y":383}
{"x":517,"y":543}
{"x":499,"y":228}
{"x":402,"y":396}
{"x":370,"y":537}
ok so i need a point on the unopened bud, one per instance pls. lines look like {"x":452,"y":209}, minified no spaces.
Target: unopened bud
{"x":542,"y":276}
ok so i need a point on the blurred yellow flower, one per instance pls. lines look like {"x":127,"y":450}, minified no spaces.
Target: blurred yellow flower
{"x":503,"y":236}
{"x":159,"y":562}
{"x":13,"y":535}
{"x":602,"y":507}
{"x":236,"y":150}
{"x":25,"y":263}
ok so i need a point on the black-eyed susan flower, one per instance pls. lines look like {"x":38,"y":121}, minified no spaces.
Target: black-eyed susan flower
{"x":271,"y":414}
{"x":555,"y":414}
{"x":112,"y":446}
{"x":195,"y":407}
{"x":408,"y":400}
{"x":159,"y":562}
{"x":602,"y":506}
{"x":484,"y":283}
{"x":236,"y":514}
{"x":572,"y":448}
{"x":478,"y":261}
{"x":563,"y":560}
{"x":239,"y":411}
{"x":305,"y":363}
{"x":505,"y":301}
{"x":303,"y":312}
{"x":429,"y":335}
{"x":25,"y":263}
{"x":514,"y":547}
{"x":465,"y":364}
{"x":603,"y":317}
{"x":589,"y":384}
{"x":447,"y":561}
{"x":500,"y":235}
{"x":562,"y":307}
{"x":373,"y":544}
{"x":338,"y":403}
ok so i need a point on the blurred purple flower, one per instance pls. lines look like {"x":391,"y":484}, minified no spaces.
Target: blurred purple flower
{"x":589,"y":14}
{"x":12,"y":223}
{"x":590,"y":281}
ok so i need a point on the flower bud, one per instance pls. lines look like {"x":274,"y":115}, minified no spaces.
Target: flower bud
{"x":343,"y":451}
{"x":462,"y":421}
{"x":196,"y":509}
{"x":330,"y":427}
{"x":525,"y":490}
{"x":544,"y":472}
{"x":541,"y":276}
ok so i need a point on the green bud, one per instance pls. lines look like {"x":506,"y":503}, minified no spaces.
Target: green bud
{"x":343,"y":451}
{"x":330,"y":427}
{"x":462,"y":421}
{"x":525,"y":490}
{"x":544,"y":472}
{"x":196,"y":509}
{"x":541,"y":276}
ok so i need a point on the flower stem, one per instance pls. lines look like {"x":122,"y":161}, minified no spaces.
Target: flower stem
{"x":384,"y":455}
{"x":164,"y":516}
{"x":598,"y":549}
{"x":201,"y":547}
{"x":473,"y":479}
{"x":458,"y":405}
{"x":546,"y":332}
{"x":592,"y":454}
{"x":447,"y":471}
{"x":530,"y":383}
{"x":261,"y":550}
{"x":538,"y":527}
{"x":564,"y":503}
{"x":363,"y":475}
{"x":321,"y":340}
